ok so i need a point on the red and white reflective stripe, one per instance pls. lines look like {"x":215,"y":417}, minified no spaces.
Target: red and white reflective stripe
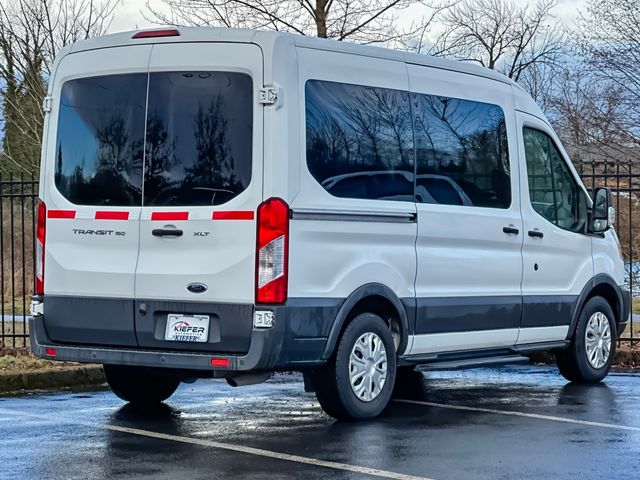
{"x":110,"y":215}
{"x":233,"y":215}
{"x":169,"y":216}
{"x":61,"y":214}
{"x":166,"y":216}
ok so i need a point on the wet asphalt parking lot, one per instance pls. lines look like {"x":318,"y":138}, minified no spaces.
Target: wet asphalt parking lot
{"x":512,"y":422}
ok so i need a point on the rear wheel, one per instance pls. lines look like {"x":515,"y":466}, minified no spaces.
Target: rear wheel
{"x":357,"y":382}
{"x":141,"y":385}
{"x":590,"y":354}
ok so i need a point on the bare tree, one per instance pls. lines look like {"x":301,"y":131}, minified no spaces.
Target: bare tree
{"x":609,"y":39}
{"x":588,"y":114}
{"x":500,"y":35}
{"x":593,"y":94}
{"x":362,"y":21}
{"x":31,"y":34}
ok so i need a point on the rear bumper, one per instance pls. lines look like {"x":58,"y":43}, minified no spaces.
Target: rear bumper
{"x":263,"y":354}
{"x":296,"y":341}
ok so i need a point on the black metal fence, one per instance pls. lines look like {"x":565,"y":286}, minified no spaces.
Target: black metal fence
{"x":18,"y":206}
{"x":623,"y":178}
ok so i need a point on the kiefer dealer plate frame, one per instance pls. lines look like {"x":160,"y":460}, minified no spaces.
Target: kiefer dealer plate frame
{"x":187,"y":328}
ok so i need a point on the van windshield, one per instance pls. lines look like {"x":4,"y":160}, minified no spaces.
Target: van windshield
{"x":193,"y":149}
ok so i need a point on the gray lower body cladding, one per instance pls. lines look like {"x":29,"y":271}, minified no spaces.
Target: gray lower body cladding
{"x":132,"y":331}
{"x":626,"y":310}
{"x":142,"y":323}
{"x":465,"y":314}
{"x":127,"y":331}
{"x":262,"y":355}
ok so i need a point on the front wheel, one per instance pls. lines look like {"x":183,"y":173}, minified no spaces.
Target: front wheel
{"x":590,"y":354}
{"x":357,"y":382}
{"x":141,"y":385}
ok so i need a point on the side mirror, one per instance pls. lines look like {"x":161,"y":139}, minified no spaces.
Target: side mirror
{"x":601,"y":214}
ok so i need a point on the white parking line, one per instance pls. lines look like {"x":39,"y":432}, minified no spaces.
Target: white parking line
{"x":375,"y":472}
{"x":267,"y":453}
{"x":512,"y":413}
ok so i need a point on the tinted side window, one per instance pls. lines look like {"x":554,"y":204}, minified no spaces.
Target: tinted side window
{"x":199,"y":137}
{"x":99,"y":140}
{"x":553,"y":191}
{"x":360,"y":140}
{"x":461,"y":152}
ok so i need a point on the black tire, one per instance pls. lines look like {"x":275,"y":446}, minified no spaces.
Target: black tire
{"x":332,"y":382}
{"x":141,"y":385}
{"x":573,"y":362}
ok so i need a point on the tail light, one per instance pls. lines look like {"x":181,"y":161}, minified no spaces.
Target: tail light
{"x":272,"y":251}
{"x":40,"y":240}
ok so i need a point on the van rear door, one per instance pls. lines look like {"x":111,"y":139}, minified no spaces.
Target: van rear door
{"x":202,"y":184}
{"x":92,"y":187}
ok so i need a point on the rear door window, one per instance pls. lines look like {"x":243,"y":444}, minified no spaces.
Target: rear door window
{"x":195,"y":150}
{"x":199,"y":136}
{"x":100,"y":140}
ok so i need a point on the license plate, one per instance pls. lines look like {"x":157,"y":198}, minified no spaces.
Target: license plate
{"x":187,"y":328}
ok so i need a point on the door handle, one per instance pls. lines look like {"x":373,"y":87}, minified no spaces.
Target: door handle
{"x":536,"y":234}
{"x":166,"y":232}
{"x":510,"y":230}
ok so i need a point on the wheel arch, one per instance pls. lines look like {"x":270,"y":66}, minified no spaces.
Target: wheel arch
{"x":601,"y":285}
{"x":373,"y":298}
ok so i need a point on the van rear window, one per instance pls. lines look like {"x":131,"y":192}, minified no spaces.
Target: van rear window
{"x":199,"y":131}
{"x":100,"y":140}
{"x":195,"y":148}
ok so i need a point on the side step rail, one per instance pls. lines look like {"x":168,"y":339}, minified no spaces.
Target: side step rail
{"x":473,"y":362}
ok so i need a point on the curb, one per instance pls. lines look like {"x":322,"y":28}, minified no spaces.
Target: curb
{"x":52,"y":378}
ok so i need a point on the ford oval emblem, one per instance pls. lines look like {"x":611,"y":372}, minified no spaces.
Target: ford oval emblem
{"x":196,"y":287}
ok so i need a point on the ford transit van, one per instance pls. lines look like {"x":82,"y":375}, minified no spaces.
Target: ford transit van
{"x":230,"y":203}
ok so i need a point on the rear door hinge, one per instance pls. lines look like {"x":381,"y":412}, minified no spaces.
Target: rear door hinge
{"x":46,"y":104}
{"x":268,"y":95}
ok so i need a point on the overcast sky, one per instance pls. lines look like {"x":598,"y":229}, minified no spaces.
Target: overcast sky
{"x":129,"y":17}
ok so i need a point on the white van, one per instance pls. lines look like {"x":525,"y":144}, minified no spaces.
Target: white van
{"x":231,"y":203}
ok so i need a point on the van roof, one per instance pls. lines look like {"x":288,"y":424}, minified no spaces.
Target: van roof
{"x":265,"y":38}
